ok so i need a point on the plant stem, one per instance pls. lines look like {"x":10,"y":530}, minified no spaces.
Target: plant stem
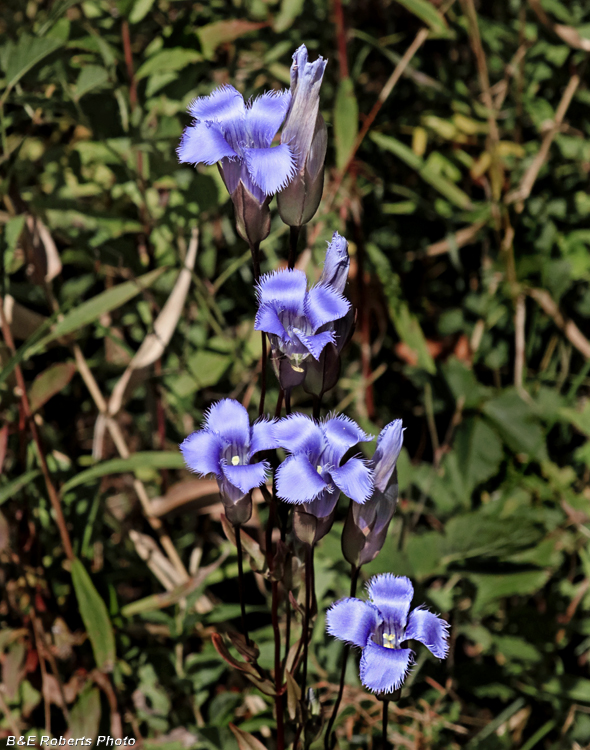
{"x":306,"y":613}
{"x":241,"y":585}
{"x":278,"y":668}
{"x":293,"y":241}
{"x":279,"y":406}
{"x":288,"y":401}
{"x":354,"y":575}
{"x":54,"y":498}
{"x":385,"y":718}
{"x":317,"y":406}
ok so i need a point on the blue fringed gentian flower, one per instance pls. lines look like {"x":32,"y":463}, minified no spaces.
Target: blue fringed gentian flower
{"x":305,"y":133}
{"x":366,"y":525}
{"x":312,"y":475}
{"x":238,"y":136}
{"x":292,"y":315}
{"x":380,"y":626}
{"x":225,"y":447}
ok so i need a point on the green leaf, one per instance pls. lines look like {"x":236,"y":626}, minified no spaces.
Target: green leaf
{"x":92,"y":309}
{"x":8,"y":491}
{"x":213,"y":35}
{"x":18,"y":59}
{"x":406,"y":324}
{"x":91,"y":77}
{"x":444,"y":186}
{"x":95,"y":617}
{"x":346,"y":114}
{"x":477,"y":452}
{"x":85,"y":715}
{"x":140,"y":10}
{"x":515,"y":420}
{"x":426,"y":12}
{"x":478,"y":535}
{"x":491,"y":587}
{"x":208,"y":367}
{"x":168,"y":61}
{"x":141,"y":460}
{"x":289,"y":11}
{"x":49,"y":382}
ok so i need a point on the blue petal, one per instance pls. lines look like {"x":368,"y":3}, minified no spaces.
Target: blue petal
{"x":267,"y":320}
{"x":229,"y":419}
{"x":342,"y":433}
{"x":392,"y":596}
{"x":263,"y":436}
{"x":389,"y":445}
{"x":315,"y":343}
{"x":203,"y":143}
{"x":272,"y":169}
{"x":352,"y":621}
{"x":336,"y":264}
{"x":246,"y":476}
{"x":298,"y":481}
{"x":265,"y":115}
{"x":202,"y":452}
{"x":323,"y":305}
{"x":287,"y":288}
{"x":384,"y":670}
{"x":298,"y":433}
{"x":223,"y":105}
{"x":429,"y":629}
{"x":354,"y":479}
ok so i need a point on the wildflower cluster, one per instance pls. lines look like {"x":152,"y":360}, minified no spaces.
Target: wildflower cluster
{"x":307,"y":328}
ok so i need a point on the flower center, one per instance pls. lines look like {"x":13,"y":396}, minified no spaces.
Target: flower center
{"x":235,"y":460}
{"x":389,"y":635}
{"x":319,"y":469}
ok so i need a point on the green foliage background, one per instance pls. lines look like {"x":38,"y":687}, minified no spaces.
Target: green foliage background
{"x":475,"y":300}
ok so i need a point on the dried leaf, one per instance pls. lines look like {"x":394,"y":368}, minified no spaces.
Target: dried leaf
{"x":49,"y":382}
{"x":155,"y":343}
{"x":293,"y":695}
{"x":245,"y":740}
{"x":23,"y":322}
{"x":213,"y":35}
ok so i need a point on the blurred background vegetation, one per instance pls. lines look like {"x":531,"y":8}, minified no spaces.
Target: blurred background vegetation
{"x":465,"y":199}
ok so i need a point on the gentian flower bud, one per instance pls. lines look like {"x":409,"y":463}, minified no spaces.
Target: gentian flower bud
{"x":238,"y":136}
{"x":304,"y":132}
{"x":323,"y":373}
{"x":366,"y":525}
{"x":225,"y":448}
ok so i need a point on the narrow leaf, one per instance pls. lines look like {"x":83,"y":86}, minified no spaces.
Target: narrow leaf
{"x":426,"y":12}
{"x":92,"y":309}
{"x":141,"y":460}
{"x":8,"y":491}
{"x":95,"y":617}
{"x":345,"y":121}
{"x":444,"y":186}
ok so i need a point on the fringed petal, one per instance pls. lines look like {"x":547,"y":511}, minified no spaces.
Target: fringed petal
{"x":352,"y":621}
